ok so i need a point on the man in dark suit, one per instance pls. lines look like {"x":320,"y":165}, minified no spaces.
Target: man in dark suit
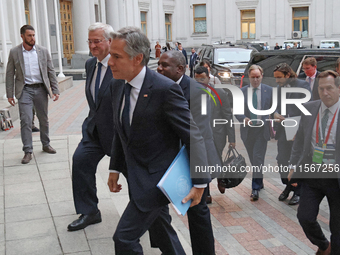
{"x":255,"y":132}
{"x":172,"y":65}
{"x":184,"y":52}
{"x":192,"y":64}
{"x":30,"y":77}
{"x":326,"y":182}
{"x":219,"y":111}
{"x":151,"y":117}
{"x":96,"y":130}
{"x":286,"y":77}
{"x":310,"y":75}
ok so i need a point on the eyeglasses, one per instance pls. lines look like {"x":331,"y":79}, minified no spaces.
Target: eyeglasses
{"x":96,"y":41}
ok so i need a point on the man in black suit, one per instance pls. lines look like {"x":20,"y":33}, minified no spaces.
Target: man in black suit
{"x":310,"y":75}
{"x":286,"y":77}
{"x":96,"y":130}
{"x":220,"y":111}
{"x":172,"y":65}
{"x":184,"y":52}
{"x":192,"y":64}
{"x":255,"y":132}
{"x":151,"y":117}
{"x":326,"y":182}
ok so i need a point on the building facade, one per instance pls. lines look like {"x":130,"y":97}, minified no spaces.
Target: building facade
{"x":191,"y":22}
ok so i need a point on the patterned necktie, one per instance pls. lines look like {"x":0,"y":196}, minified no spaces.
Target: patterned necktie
{"x":96,"y":87}
{"x":126,"y":110}
{"x":324,"y":122}
{"x":252,"y":115}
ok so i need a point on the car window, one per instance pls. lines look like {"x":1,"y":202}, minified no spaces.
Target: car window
{"x":206,"y":53}
{"x":235,"y":55}
{"x":323,"y":62}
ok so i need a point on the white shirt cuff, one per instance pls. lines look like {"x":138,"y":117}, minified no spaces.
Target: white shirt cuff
{"x":201,"y":186}
{"x":114,"y":171}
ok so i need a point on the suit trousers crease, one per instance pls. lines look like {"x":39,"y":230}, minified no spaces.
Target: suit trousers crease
{"x":312,"y":193}
{"x":132,"y":225}
{"x":256,"y":146}
{"x":84,"y":166}
{"x":33,"y":97}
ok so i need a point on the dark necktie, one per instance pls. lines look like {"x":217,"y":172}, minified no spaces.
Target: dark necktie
{"x":324,"y":122}
{"x":252,"y":115}
{"x":96,"y":87}
{"x":126,"y":110}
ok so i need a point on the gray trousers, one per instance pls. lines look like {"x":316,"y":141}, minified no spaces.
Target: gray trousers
{"x":33,"y":96}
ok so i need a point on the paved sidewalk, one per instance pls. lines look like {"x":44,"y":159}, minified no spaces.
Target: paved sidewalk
{"x":36,"y":200}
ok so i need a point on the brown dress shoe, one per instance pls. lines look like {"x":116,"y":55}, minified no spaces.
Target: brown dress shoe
{"x":326,"y":252}
{"x":49,"y":149}
{"x":27,"y":158}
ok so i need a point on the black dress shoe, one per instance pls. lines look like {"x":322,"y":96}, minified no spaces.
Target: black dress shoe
{"x":294,"y":200}
{"x":208,"y":200}
{"x":85,"y":220}
{"x":285,"y":193}
{"x":35,"y":129}
{"x":254,"y":195}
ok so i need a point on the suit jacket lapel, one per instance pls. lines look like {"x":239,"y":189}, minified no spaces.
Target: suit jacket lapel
{"x":21,"y":59}
{"x":142,"y":101}
{"x":310,"y":125}
{"x":118,"y":93}
{"x":89,"y":78}
{"x":104,"y":85}
{"x":185,"y":85}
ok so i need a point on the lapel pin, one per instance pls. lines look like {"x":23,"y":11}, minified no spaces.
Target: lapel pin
{"x":145,"y":95}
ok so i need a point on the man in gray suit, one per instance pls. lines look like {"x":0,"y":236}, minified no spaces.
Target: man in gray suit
{"x":30,"y":77}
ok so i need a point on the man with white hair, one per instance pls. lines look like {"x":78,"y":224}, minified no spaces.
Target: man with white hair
{"x":97,"y":128}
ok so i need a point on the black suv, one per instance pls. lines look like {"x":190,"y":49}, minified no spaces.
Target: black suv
{"x":268,"y":60}
{"x":227,"y":61}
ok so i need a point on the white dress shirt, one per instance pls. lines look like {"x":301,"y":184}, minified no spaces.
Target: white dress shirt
{"x":332,"y":136}
{"x":32,"y":70}
{"x":102,"y":74}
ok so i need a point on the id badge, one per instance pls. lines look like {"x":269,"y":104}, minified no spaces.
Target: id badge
{"x":329,"y":155}
{"x":318,"y":155}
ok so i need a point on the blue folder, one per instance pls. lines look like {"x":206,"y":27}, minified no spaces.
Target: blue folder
{"x":176,"y":182}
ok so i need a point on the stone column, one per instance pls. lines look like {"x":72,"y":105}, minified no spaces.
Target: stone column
{"x":81,"y":22}
{"x":47,"y":30}
{"x":112,"y":13}
{"x":34,"y":20}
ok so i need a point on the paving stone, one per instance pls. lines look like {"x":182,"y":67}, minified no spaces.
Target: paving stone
{"x":19,"y":188}
{"x":236,"y":230}
{"x":32,"y":198}
{"x":102,"y":246}
{"x":81,"y":253}
{"x":59,"y":195}
{"x":73,"y":241}
{"x":267,"y":243}
{"x":21,"y":169}
{"x":41,"y":245}
{"x":22,"y":178}
{"x":55,"y":175}
{"x":29,"y":229}
{"x":26,"y":213}
{"x":62,"y":208}
{"x":2,"y":233}
{"x":57,"y":184}
{"x":51,"y":167}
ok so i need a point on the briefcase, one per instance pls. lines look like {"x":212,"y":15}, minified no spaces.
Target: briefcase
{"x":236,"y":165}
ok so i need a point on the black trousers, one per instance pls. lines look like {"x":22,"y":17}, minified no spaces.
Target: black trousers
{"x":134,"y":223}
{"x":284,"y":148}
{"x":312,"y":193}
{"x":85,"y":160}
{"x":201,"y":234}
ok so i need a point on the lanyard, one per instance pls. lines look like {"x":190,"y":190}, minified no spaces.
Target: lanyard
{"x":329,"y":129}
